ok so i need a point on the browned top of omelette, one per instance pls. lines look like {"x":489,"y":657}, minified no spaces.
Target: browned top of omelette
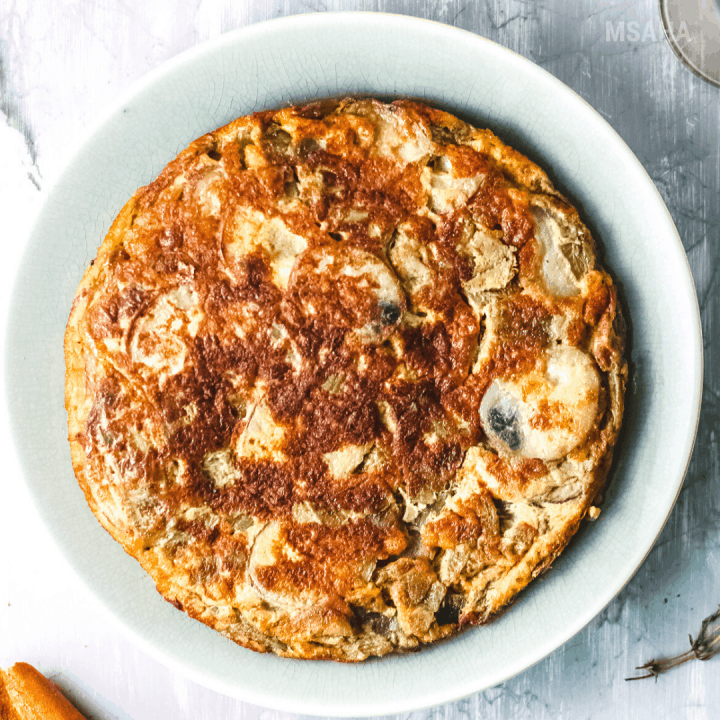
{"x":344,"y":378}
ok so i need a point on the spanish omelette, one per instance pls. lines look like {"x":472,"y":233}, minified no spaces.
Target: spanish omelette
{"x":345,"y":378}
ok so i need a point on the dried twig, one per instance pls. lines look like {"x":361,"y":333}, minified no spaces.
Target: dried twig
{"x":704,"y":647}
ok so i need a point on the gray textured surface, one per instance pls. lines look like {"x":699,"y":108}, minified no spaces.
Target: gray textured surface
{"x":60,"y":65}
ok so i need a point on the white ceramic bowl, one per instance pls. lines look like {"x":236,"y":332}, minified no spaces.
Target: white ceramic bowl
{"x":288,"y":61}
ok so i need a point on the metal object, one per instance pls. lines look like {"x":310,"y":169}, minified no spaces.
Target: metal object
{"x":692,"y":28}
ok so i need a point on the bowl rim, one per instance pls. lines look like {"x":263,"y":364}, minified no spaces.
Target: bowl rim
{"x":308,"y":22}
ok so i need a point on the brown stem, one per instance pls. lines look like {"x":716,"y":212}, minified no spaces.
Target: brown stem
{"x":706,"y":645}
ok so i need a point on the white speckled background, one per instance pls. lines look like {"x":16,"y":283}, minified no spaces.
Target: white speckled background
{"x":62,"y":63}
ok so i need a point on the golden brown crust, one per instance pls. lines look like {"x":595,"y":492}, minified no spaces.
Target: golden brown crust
{"x":26,"y":694}
{"x":344,"y":378}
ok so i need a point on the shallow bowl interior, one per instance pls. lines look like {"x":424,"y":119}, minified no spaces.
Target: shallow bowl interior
{"x":288,"y":61}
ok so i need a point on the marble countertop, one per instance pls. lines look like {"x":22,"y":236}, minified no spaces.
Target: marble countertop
{"x":62,"y":62}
